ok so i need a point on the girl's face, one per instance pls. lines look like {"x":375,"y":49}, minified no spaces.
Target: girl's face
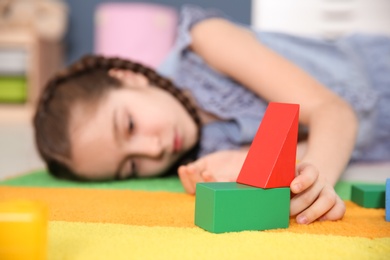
{"x":137,"y":130}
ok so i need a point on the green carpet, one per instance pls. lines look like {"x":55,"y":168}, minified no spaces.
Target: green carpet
{"x":41,"y":178}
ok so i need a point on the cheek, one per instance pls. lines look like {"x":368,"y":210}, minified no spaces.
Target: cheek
{"x":96,"y":162}
{"x":160,"y":107}
{"x":153,"y":120}
{"x":150,"y":168}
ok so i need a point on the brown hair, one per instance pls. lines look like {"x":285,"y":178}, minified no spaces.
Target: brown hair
{"x":85,"y":81}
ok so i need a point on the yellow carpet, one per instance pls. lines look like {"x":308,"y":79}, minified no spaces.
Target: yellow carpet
{"x":115,"y":241}
{"x":128,"y":224}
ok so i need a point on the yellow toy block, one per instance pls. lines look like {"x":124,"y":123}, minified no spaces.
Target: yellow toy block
{"x":23,"y":230}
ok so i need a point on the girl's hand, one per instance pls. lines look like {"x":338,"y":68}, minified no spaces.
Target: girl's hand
{"x":314,"y":197}
{"x":222,"y":166}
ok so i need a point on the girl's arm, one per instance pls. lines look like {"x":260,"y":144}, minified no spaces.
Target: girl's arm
{"x":236,"y":52}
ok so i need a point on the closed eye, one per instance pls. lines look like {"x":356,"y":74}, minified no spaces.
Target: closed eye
{"x":126,"y":165}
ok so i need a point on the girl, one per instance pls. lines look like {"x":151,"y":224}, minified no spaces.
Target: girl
{"x":105,"y":118}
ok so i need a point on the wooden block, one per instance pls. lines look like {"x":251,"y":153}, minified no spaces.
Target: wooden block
{"x":230,"y":207}
{"x":271,"y":158}
{"x":369,"y":195}
{"x":23,"y":230}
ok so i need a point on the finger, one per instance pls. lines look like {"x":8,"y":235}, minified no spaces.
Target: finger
{"x":194,"y":172}
{"x":199,"y":165}
{"x":208,"y":177}
{"x":337,"y":212}
{"x":307,"y":175}
{"x":185,"y":180}
{"x":323,"y":204}
{"x":304,"y":199}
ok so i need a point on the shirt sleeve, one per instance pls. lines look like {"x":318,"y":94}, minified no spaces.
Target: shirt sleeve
{"x":189,"y":16}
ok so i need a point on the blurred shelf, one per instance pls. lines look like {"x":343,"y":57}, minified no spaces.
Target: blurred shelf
{"x":43,"y":57}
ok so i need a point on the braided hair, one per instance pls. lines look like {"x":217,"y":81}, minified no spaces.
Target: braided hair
{"x":87,"y":81}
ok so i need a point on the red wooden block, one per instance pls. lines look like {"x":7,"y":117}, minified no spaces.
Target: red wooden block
{"x":271,"y":159}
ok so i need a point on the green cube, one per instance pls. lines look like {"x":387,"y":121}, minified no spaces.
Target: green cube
{"x":231,"y":207}
{"x":13,"y":89}
{"x":369,"y":195}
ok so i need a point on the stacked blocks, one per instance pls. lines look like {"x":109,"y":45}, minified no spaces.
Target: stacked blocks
{"x":23,"y":230}
{"x":369,"y":195}
{"x":260,"y":199}
{"x":230,"y":206}
{"x":387,"y":200}
{"x":270,"y":162}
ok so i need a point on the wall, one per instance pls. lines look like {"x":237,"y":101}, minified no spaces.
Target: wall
{"x":80,"y":35}
{"x":328,"y":18}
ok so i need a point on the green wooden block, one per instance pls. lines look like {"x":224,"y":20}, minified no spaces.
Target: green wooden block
{"x":230,"y":207}
{"x":369,"y":195}
{"x":13,"y":89}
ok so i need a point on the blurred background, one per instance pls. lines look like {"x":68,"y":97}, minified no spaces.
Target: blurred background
{"x":37,"y":37}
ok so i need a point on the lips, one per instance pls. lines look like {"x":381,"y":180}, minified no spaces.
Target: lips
{"x":177,"y":143}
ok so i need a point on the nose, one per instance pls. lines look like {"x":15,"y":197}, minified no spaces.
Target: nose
{"x":146,"y":145}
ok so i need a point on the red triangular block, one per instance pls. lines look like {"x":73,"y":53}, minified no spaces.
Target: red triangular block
{"x":271,"y":159}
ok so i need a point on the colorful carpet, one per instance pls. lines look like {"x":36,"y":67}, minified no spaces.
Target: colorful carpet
{"x":154,"y":219}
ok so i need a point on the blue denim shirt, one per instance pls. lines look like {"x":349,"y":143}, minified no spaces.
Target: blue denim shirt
{"x":356,"y":67}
